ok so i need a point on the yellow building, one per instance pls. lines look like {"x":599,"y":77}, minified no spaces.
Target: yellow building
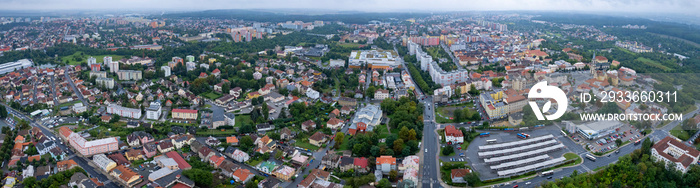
{"x":184,"y":114}
{"x":284,"y":172}
{"x":493,"y":104}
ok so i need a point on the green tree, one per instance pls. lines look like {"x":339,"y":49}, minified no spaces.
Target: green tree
{"x":246,"y":143}
{"x":339,"y":136}
{"x":384,"y":183}
{"x":447,"y":150}
{"x":393,"y":175}
{"x":3,"y":111}
{"x":201,"y":177}
{"x":398,"y":145}
{"x":618,"y":142}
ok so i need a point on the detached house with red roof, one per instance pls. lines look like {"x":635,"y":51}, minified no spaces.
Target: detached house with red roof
{"x":308,"y":125}
{"x":670,"y":150}
{"x":453,"y":135}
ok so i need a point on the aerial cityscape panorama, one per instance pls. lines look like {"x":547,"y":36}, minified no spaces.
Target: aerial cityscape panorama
{"x":349,"y":94}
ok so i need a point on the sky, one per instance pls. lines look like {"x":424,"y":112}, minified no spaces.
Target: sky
{"x":690,"y":7}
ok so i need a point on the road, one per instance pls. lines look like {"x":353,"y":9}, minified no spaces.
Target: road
{"x":75,"y":89}
{"x":454,"y":59}
{"x":81,"y":161}
{"x":429,"y":171}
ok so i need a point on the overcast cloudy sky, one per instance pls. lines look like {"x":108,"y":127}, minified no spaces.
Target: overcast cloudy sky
{"x":638,"y":6}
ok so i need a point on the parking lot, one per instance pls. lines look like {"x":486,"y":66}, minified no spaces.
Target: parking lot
{"x":55,"y":121}
{"x":484,"y":169}
{"x":607,"y":143}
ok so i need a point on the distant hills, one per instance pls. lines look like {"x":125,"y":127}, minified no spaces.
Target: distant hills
{"x":350,"y":17}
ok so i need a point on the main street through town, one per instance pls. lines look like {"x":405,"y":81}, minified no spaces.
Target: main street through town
{"x":81,"y":161}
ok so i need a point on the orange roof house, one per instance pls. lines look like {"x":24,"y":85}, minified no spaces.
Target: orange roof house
{"x":232,"y":140}
{"x":19,"y":139}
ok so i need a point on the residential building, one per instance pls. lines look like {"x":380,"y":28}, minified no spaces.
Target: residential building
{"x":181,"y":163}
{"x":453,"y":135}
{"x":381,"y":94}
{"x":494,"y":104}
{"x":308,"y":125}
{"x":457,"y":175}
{"x":386,"y":164}
{"x":153,"y":111}
{"x":334,"y":123}
{"x":124,"y":112}
{"x":126,"y":176}
{"x":106,"y":82}
{"x":672,"y":151}
{"x":284,"y":172}
{"x":184,"y":114}
{"x":240,"y":156}
{"x":88,"y":148}
{"x":129,"y":75}
{"x":66,"y":165}
{"x":104,"y":162}
{"x":242,"y":175}
{"x":317,"y":139}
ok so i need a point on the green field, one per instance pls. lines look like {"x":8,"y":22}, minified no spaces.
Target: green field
{"x":446,"y":111}
{"x":350,"y":45}
{"x":216,"y":132}
{"x":68,"y":103}
{"x":653,"y":63}
{"x":243,"y":119}
{"x":382,"y":131}
{"x":211,"y":95}
{"x":83,"y":58}
{"x":344,"y":145}
{"x":680,"y":133}
{"x":570,"y":156}
{"x":305,"y":145}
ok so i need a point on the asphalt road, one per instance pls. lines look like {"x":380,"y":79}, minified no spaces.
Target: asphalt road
{"x":75,"y":89}
{"x":79,"y":160}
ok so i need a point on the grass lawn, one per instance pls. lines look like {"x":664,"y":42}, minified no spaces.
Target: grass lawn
{"x":253,"y":162}
{"x":441,"y":132}
{"x":446,"y":172}
{"x":212,"y":95}
{"x":306,"y":145}
{"x":68,"y":103}
{"x":680,"y":133}
{"x":443,"y":113}
{"x":441,"y":148}
{"x":344,"y":145}
{"x":383,"y":133}
{"x":653,"y":63}
{"x":84,"y":57}
{"x":243,"y":119}
{"x":350,"y":45}
{"x":569,"y":156}
{"x":217,"y":132}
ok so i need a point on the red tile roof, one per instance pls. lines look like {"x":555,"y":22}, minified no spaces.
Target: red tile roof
{"x":686,"y":159}
{"x":181,"y":163}
{"x":450,"y":130}
{"x":184,"y":111}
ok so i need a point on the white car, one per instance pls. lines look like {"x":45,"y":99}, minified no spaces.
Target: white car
{"x":426,"y":150}
{"x":528,"y":183}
